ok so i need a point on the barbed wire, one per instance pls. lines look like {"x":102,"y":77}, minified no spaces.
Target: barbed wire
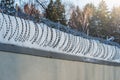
{"x":39,"y":35}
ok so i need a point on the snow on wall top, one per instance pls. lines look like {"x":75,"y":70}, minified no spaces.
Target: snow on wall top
{"x":25,"y":33}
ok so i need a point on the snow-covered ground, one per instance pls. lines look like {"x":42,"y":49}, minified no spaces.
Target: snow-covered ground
{"x":26,"y":33}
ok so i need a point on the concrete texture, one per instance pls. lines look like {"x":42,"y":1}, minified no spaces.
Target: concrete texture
{"x":26,"y":67}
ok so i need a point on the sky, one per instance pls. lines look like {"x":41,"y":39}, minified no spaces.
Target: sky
{"x":81,"y":3}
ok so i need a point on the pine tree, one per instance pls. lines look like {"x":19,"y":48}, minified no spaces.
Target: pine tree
{"x":93,"y":20}
{"x":49,"y":11}
{"x":102,"y":18}
{"x":56,"y":12}
{"x":115,"y":23}
{"x":115,"y":17}
{"x":60,"y":12}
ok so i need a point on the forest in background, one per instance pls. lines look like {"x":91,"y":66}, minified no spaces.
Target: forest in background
{"x":96,"y":21}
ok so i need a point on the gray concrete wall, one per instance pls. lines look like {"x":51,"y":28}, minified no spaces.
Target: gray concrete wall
{"x":26,"y":67}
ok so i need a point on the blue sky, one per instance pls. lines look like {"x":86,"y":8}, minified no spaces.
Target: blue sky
{"x":81,"y":3}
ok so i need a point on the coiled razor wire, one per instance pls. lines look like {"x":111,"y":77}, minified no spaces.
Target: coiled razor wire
{"x":27,"y":33}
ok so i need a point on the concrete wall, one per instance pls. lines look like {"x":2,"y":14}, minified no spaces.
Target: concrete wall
{"x":25,"y":67}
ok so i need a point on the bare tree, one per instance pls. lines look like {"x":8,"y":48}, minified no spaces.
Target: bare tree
{"x":80,"y":19}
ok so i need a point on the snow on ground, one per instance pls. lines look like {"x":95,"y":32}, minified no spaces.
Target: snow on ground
{"x":26,"y":33}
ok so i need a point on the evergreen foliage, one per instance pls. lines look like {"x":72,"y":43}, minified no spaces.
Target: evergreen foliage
{"x":102,"y":20}
{"x":115,"y":23}
{"x":97,"y":21}
{"x":56,"y":12}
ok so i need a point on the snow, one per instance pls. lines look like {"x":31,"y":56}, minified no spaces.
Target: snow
{"x":26,"y":33}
